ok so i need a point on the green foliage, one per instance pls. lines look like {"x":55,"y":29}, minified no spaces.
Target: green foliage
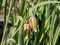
{"x":48,"y":18}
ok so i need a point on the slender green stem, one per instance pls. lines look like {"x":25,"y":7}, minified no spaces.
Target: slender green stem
{"x":35,"y":40}
{"x":5,"y":27}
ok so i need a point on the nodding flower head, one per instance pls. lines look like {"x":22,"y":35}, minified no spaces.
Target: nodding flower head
{"x":27,"y":29}
{"x":33,"y":22}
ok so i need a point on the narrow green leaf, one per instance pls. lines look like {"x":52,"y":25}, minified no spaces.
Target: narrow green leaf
{"x":57,"y":32}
